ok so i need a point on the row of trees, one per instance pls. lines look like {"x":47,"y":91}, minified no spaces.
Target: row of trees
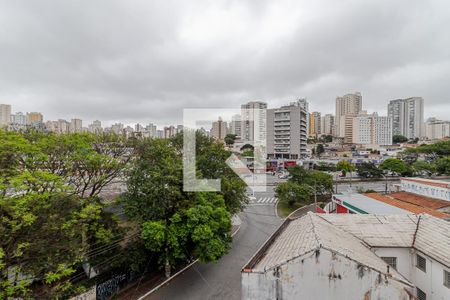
{"x":54,"y":223}
{"x":51,"y":217}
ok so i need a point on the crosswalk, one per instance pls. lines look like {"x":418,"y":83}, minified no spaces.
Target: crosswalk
{"x":264,"y":200}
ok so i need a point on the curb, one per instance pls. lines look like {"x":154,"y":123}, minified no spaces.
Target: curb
{"x":276,"y":209}
{"x":177,"y":273}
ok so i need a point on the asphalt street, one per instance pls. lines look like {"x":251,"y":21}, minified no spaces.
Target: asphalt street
{"x":222,"y":280}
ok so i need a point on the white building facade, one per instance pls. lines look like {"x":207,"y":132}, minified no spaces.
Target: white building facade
{"x":437,"y":129}
{"x":372,"y":130}
{"x":326,"y":256}
{"x":407,"y":117}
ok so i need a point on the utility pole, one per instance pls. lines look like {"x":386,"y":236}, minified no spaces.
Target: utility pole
{"x":315,"y":194}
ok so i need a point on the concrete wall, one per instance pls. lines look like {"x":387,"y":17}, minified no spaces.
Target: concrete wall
{"x":321,"y":275}
{"x":431,"y":281}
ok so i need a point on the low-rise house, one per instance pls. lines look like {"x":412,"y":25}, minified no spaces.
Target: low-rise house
{"x":346,"y":256}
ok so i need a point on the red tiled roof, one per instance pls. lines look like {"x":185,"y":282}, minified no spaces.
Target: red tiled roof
{"x":420,"y":200}
{"x":408,"y":206}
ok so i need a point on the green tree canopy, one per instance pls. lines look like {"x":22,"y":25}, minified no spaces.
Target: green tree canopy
{"x":320,"y":149}
{"x":294,"y":193}
{"x":369,"y":170}
{"x":397,"y":138}
{"x":229,"y":139}
{"x":47,"y":226}
{"x":422,"y":167}
{"x":346,"y":166}
{"x":443,"y":165}
{"x":321,"y":181}
{"x":394,"y":165}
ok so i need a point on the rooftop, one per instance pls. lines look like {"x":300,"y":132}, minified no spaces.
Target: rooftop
{"x":310,"y":233}
{"x":412,"y":203}
{"x":420,"y":200}
{"x":352,"y":236}
{"x":364,"y":204}
{"x":433,"y":182}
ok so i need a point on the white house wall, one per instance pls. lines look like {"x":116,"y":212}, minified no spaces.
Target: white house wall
{"x":321,"y":276}
{"x":431,"y":281}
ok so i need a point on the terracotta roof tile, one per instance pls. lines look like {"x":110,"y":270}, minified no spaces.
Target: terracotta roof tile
{"x":420,"y":200}
{"x":408,"y":206}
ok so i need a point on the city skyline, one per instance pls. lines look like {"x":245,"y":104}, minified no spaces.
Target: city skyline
{"x":219,"y":55}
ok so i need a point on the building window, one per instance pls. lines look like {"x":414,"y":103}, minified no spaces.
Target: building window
{"x":421,"y":294}
{"x":447,"y":279}
{"x":421,"y":263}
{"x":392,"y":261}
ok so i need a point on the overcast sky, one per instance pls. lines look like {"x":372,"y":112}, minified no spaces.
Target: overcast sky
{"x":144,"y":61}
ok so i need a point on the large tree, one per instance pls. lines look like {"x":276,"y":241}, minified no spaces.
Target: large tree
{"x":369,"y":170}
{"x":178,"y":224}
{"x":294,"y":193}
{"x":394,"y":165}
{"x":320,"y":181}
{"x":346,"y":166}
{"x":443,"y":165}
{"x":47,"y":228}
{"x":396,"y":139}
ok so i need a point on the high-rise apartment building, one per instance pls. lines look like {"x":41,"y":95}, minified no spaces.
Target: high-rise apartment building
{"x":287,"y":131}
{"x":371,"y":130}
{"x":18,"y":121}
{"x":407,"y":117}
{"x":219,"y":129}
{"x":235,"y":126}
{"x":95,"y":127}
{"x":64,"y":126}
{"x":253,"y":124}
{"x":169,"y":131}
{"x":151,"y":130}
{"x":315,"y":124}
{"x":76,"y":126}
{"x":327,"y":124}
{"x":34,"y":117}
{"x":5,"y":115}
{"x":437,"y":129}
{"x":350,"y":104}
{"x":138,"y":128}
{"x":117,"y":128}
{"x":179,"y":128}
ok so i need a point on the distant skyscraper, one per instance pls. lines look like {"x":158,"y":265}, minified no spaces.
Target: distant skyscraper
{"x":95,"y":127}
{"x":315,"y":124}
{"x":138,"y":128}
{"x":117,"y":128}
{"x":35,"y":119}
{"x":179,"y":128}
{"x":407,"y":117}
{"x":76,"y":126}
{"x":5,"y":115}
{"x":253,"y":124}
{"x":151,"y":130}
{"x":64,"y":126}
{"x":350,"y":104}
{"x":219,"y":129}
{"x":169,"y":131}
{"x":327,"y":124}
{"x":236,"y":126}
{"x":18,"y":121}
{"x":287,"y":131}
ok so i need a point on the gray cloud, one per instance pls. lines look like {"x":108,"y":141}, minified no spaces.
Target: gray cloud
{"x":144,"y":61}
